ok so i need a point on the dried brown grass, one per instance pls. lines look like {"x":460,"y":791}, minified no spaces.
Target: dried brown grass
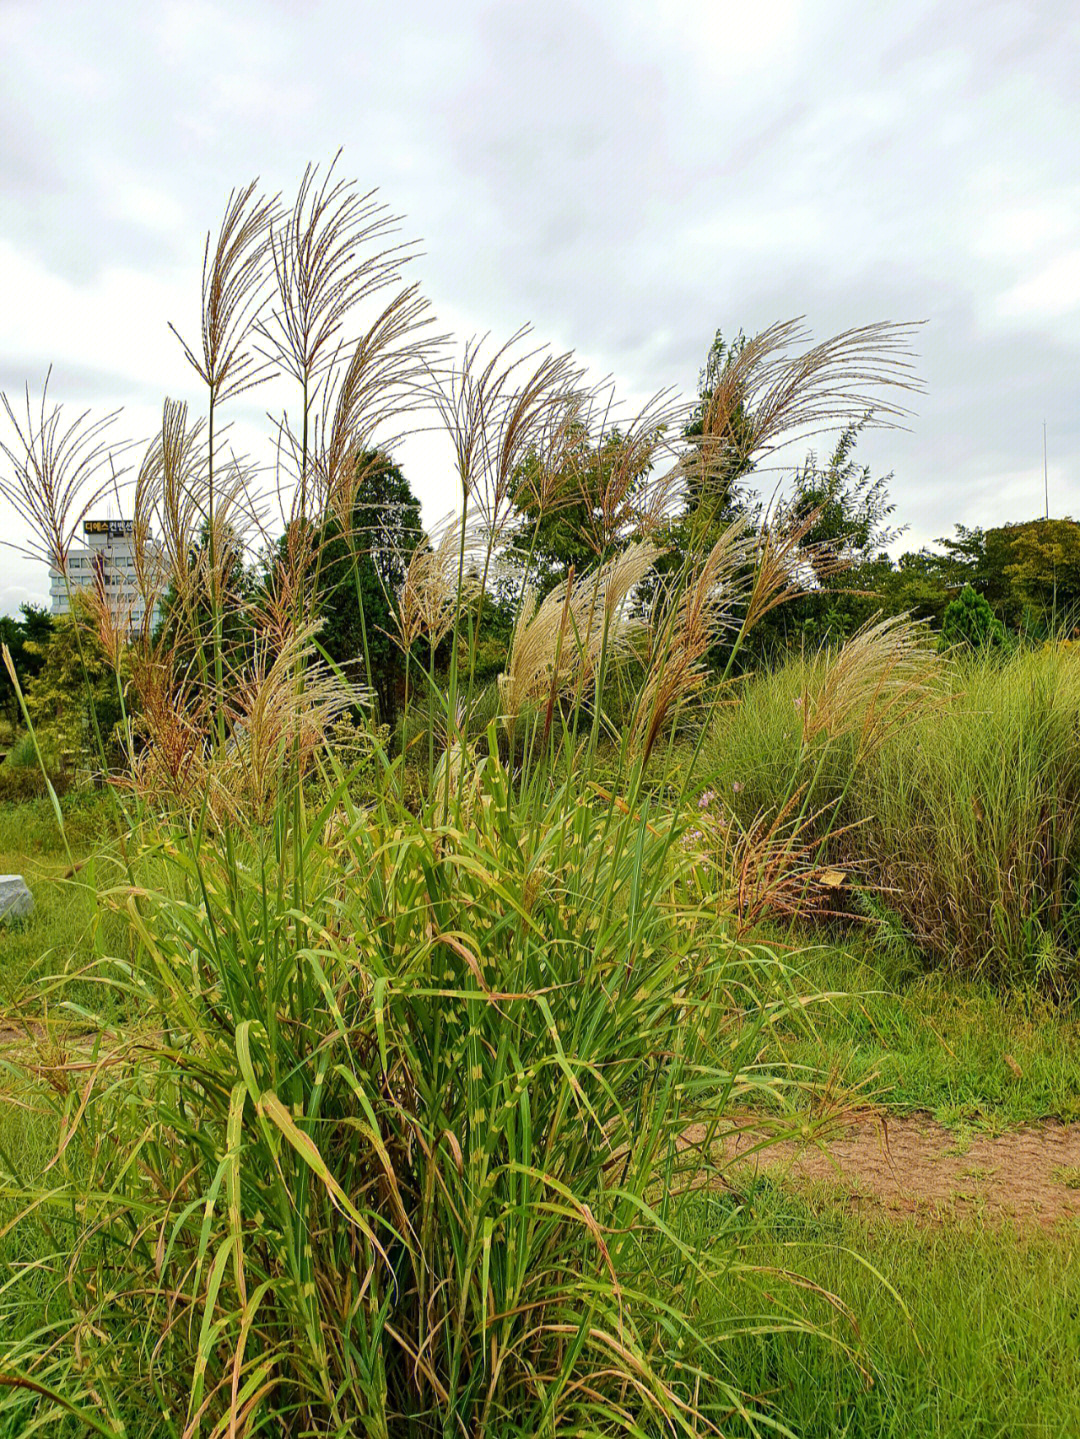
{"x":772,"y":868}
{"x":887,"y":671}
{"x":516,"y":407}
{"x":331,"y":251}
{"x":558,"y":644}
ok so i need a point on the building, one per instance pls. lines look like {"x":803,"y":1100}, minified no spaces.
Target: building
{"x":108,"y":557}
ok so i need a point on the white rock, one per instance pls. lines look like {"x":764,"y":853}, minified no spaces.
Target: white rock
{"x":16,"y":901}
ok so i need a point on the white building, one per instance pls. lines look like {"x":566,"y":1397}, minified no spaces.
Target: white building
{"x":109,"y":554}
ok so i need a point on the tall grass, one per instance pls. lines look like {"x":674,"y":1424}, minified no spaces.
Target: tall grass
{"x":963,"y":819}
{"x":399,"y":1161}
{"x":387,"y":1138}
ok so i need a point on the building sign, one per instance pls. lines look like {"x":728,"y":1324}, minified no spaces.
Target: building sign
{"x":113,"y":528}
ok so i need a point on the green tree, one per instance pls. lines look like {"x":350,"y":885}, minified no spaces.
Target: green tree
{"x":715,"y":489}
{"x":581,"y":513}
{"x":917,"y":585}
{"x":33,"y":628}
{"x":970,"y":621}
{"x":847,"y":570}
{"x":715,"y":470}
{"x":964,"y":559}
{"x":1031,"y":573}
{"x":365,"y":566}
{"x":75,"y":697}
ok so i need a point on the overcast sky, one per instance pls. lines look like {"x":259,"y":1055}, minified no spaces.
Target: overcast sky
{"x":628,"y":177}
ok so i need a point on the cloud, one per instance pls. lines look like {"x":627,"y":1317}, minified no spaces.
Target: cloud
{"x":627,"y":176}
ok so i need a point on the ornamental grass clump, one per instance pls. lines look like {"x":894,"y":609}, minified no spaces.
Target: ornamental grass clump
{"x":381,"y":1125}
{"x":947,"y":784}
{"x":973,"y":820}
{"x":392,"y":1145}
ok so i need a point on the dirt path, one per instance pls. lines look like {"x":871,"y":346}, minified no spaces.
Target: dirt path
{"x":912,"y":1165}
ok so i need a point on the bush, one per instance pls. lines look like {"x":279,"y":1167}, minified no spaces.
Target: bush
{"x":18,"y":784}
{"x":22,"y":754}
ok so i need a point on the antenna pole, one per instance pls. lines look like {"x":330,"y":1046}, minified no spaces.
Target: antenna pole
{"x":1046,"y":481}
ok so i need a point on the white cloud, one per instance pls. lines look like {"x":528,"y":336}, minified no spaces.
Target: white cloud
{"x":629,"y":176}
{"x":1052,"y":293}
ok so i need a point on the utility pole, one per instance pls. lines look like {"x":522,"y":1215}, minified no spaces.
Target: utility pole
{"x":1046,"y":481}
{"x":1046,"y":505}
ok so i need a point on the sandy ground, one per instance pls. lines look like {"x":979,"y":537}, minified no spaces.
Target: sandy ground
{"x":913,"y":1166}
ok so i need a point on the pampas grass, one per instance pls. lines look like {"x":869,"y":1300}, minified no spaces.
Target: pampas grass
{"x":879,"y":677}
{"x":691,"y":618}
{"x":387,"y":1136}
{"x":57,"y":471}
{"x":558,"y":645}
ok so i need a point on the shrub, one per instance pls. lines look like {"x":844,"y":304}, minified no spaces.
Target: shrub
{"x":22,"y":754}
{"x":969,"y":620}
{"x":18,"y":784}
{"x":973,"y":820}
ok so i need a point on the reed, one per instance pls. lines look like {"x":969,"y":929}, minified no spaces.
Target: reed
{"x":388,"y":1136}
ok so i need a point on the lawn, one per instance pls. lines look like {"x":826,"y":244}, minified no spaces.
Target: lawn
{"x":982,"y":1343}
{"x":913,"y":1038}
{"x":68,"y":925}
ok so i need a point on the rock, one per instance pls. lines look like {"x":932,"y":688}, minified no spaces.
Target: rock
{"x":16,"y":901}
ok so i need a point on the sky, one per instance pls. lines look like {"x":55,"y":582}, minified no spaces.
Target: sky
{"x":628,"y":177}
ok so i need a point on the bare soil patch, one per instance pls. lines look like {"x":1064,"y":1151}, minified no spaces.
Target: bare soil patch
{"x":913,"y":1166}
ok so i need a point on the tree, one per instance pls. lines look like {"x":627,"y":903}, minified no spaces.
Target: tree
{"x":970,"y":621}
{"x":75,"y":697}
{"x":582,"y":512}
{"x":187,"y":620}
{"x":365,"y":567}
{"x":1031,"y":572}
{"x":715,"y":494}
{"x":964,"y":558}
{"x":918,"y":585}
{"x":848,"y":571}
{"x":33,"y":629}
{"x":851,"y":509}
{"x":714,"y":471}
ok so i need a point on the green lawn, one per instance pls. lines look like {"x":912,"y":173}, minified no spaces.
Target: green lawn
{"x":915,"y":1040}
{"x":986,"y":1344}
{"x":68,"y":926}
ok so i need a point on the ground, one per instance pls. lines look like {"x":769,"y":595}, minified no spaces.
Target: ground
{"x":911,"y":1165}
